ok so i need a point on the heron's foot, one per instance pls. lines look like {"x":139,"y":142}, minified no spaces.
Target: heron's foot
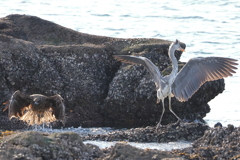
{"x":158,"y":126}
{"x":179,"y":121}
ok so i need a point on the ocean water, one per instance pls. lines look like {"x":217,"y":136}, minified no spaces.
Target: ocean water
{"x":104,"y":144}
{"x":207,"y":27}
{"x":159,"y":146}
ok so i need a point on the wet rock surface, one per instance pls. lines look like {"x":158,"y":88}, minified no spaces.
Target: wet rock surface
{"x":179,"y":131}
{"x":37,"y":145}
{"x":41,"y":57}
{"x":125,"y":151}
{"x":40,"y":146}
{"x":215,"y":143}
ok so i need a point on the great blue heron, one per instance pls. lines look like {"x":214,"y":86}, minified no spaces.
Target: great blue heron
{"x":36,"y":109}
{"x":188,"y":80}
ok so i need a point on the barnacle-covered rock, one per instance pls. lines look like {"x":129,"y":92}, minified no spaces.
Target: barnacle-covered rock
{"x":179,"y":131}
{"x":127,"y":152}
{"x":35,"y":145}
{"x":216,"y":143}
{"x":41,"y":57}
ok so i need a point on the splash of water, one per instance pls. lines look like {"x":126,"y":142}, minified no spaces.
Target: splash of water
{"x":37,"y":119}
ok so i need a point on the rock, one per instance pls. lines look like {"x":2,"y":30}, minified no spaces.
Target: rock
{"x":218,"y":124}
{"x":172,"y":132}
{"x":126,"y":152}
{"x":216,"y":143}
{"x":41,"y":57}
{"x":36,"y":145}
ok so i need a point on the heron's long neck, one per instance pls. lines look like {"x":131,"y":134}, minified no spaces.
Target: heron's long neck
{"x":174,"y":62}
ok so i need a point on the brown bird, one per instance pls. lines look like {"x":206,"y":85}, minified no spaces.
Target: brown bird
{"x":36,"y":109}
{"x":188,"y":80}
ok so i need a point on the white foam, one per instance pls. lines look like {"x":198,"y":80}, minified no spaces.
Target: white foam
{"x":159,"y":146}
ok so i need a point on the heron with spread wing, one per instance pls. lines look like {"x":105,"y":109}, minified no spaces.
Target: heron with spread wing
{"x":36,"y":109}
{"x":188,"y":80}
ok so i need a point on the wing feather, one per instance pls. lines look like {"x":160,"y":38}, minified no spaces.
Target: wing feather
{"x":58,"y":107}
{"x":152,"y":69}
{"x":18,"y":103}
{"x":198,"y":71}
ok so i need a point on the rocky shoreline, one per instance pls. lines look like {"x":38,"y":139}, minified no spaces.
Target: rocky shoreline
{"x":41,"y":57}
{"x":207,"y":143}
{"x":179,"y":131}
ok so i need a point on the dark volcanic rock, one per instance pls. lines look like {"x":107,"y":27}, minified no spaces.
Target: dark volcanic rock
{"x":36,"y":146}
{"x":126,"y":152}
{"x":216,"y":143}
{"x":41,"y":146}
{"x":38,"y":56}
{"x":179,"y":131}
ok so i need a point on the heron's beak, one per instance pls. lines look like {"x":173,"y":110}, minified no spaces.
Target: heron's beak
{"x":182,"y":49}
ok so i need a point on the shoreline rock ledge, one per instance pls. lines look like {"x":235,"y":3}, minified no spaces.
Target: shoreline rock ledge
{"x":214,"y":144}
{"x":39,"y":56}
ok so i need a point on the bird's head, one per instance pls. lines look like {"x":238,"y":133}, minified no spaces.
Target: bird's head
{"x":176,"y":46}
{"x":37,"y":101}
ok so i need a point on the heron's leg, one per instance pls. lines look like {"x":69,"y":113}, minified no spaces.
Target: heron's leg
{"x":159,"y":123}
{"x":170,"y":108}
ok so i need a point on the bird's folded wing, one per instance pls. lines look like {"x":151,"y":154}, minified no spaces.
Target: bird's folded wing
{"x":198,"y":71}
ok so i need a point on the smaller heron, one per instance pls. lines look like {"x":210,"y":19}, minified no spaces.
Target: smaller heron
{"x":36,"y":109}
{"x":188,"y":80}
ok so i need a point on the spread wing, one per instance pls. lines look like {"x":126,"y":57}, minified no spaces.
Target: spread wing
{"x":198,"y":71}
{"x":17,"y":105}
{"x":58,"y":107}
{"x":152,"y":69}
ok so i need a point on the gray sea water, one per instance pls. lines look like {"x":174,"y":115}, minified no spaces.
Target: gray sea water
{"x":207,"y":27}
{"x":105,"y":144}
